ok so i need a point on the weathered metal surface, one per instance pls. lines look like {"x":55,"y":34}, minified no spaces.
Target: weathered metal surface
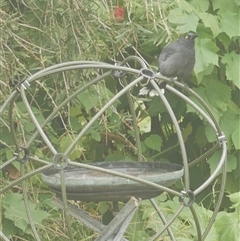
{"x":90,"y":185}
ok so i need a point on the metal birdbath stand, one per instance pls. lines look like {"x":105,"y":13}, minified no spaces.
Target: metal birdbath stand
{"x":112,"y":181}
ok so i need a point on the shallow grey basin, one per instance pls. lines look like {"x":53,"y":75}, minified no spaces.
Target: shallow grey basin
{"x":90,"y":185}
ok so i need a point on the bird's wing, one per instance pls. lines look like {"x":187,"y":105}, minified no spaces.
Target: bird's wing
{"x":168,"y":51}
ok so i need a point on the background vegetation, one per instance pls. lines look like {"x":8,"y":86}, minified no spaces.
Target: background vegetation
{"x":37,"y":33}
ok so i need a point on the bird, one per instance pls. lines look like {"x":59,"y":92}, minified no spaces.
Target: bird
{"x":177,"y":59}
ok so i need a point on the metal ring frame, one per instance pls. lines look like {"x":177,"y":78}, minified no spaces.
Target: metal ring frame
{"x":141,"y":75}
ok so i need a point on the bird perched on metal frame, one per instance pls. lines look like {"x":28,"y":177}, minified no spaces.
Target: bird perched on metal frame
{"x":176,"y":60}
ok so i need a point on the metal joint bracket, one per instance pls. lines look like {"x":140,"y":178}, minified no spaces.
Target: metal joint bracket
{"x":118,"y":73}
{"x":147,"y":73}
{"x":187,"y":198}
{"x":60,"y":161}
{"x":221,"y":138}
{"x":22,"y":154}
{"x":25,"y":84}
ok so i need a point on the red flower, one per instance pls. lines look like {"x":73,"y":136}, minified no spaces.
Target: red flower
{"x":119,"y":14}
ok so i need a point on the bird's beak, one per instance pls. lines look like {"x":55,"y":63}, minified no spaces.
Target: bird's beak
{"x":194,"y":36}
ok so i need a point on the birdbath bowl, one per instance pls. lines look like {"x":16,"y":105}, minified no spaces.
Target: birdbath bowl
{"x":90,"y":185}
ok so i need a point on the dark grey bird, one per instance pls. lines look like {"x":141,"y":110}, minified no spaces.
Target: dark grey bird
{"x":177,"y":59}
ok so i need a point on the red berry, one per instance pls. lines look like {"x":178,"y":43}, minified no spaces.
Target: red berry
{"x":119,"y":14}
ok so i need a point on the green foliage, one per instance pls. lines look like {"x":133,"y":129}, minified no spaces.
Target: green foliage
{"x":232,"y":65}
{"x":153,"y":142}
{"x":228,"y":224}
{"x":146,"y":221}
{"x":15,"y":214}
{"x":38,"y":34}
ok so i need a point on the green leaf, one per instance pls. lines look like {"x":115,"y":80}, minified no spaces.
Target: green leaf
{"x":103,"y":207}
{"x":76,"y":123}
{"x":87,"y":101}
{"x":213,"y":161}
{"x":15,"y":210}
{"x":154,"y":142}
{"x":222,"y":6}
{"x":9,"y":153}
{"x":211,"y":22}
{"x":145,"y":125}
{"x":206,"y":53}
{"x":75,"y":110}
{"x":235,"y":198}
{"x":184,"y":21}
{"x":201,"y":136}
{"x":8,"y":227}
{"x":229,"y":23}
{"x":228,"y":226}
{"x":210,"y":134}
{"x":216,"y":95}
{"x":141,"y":29}
{"x":236,"y":138}
{"x":229,"y":123}
{"x":65,"y":142}
{"x":187,"y":131}
{"x":96,"y":135}
{"x":200,"y":6}
{"x":232,"y":67}
{"x":29,"y":126}
{"x":232,"y":184}
{"x":117,"y":156}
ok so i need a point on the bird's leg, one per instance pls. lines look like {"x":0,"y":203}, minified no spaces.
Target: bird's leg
{"x":185,"y":85}
{"x":172,"y":81}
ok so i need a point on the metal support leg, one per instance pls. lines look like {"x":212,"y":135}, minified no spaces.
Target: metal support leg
{"x":116,"y":228}
{"x":82,"y":216}
{"x":114,"y":231}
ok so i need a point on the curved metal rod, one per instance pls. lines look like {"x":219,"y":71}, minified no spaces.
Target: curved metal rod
{"x":4,"y":238}
{"x":135,"y":126}
{"x":119,"y":174}
{"x":179,"y":134}
{"x":22,"y":91}
{"x":38,"y":75}
{"x":204,"y":155}
{"x":197,"y":224}
{"x":100,"y":112}
{"x":131,"y":105}
{"x":26,"y":176}
{"x":82,"y":66}
{"x":35,"y":121}
{"x":96,"y":80}
{"x":26,"y":203}
{"x":9,"y":99}
{"x":216,"y":171}
{"x":47,"y":70}
{"x":8,"y":162}
{"x":168,"y":224}
{"x":132,"y":58}
{"x":65,"y":204}
{"x":190,"y":102}
{"x":203,"y":103}
{"x":170,"y":233}
{"x":221,"y":194}
{"x":10,"y":116}
{"x":59,"y":67}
